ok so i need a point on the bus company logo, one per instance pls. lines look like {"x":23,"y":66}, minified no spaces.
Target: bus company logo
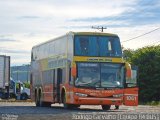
{"x":108,"y":91}
{"x":97,"y":91}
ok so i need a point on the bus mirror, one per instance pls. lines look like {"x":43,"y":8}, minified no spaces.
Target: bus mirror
{"x":74,"y":71}
{"x":128,"y":73}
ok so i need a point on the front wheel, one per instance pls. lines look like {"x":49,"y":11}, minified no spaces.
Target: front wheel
{"x":116,"y":107}
{"x":72,"y":106}
{"x":106,"y":107}
{"x":65,"y":105}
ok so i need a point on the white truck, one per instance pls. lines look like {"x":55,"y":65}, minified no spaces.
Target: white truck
{"x":4,"y":76}
{"x":18,"y":90}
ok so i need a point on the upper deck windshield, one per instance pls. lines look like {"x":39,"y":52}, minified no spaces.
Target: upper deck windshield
{"x":97,"y":46}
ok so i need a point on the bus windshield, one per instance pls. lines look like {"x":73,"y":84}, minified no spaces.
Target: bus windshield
{"x":97,"y":46}
{"x":105,"y":75}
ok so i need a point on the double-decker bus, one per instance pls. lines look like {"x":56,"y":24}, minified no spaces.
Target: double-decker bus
{"x":82,"y":68}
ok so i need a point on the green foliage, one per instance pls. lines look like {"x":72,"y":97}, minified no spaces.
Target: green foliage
{"x":127,"y":54}
{"x":148,"y":61}
{"x":27,"y":85}
{"x":153,"y":103}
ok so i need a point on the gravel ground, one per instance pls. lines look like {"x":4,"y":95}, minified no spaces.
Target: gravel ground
{"x":28,"y":111}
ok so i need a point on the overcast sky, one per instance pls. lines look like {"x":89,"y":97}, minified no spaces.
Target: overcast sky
{"x":25,"y":23}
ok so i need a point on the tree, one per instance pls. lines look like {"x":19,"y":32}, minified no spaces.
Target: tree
{"x":148,"y":61}
{"x":127,"y":54}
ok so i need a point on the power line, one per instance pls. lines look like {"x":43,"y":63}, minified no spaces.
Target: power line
{"x":141,"y":35}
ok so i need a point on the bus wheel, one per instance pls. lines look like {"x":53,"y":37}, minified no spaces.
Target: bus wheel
{"x":75,"y":106}
{"x":37,"y":100}
{"x":24,"y":96}
{"x":65,"y":105}
{"x":41,"y":103}
{"x":106,"y":107}
{"x":116,"y":107}
{"x":46,"y":104}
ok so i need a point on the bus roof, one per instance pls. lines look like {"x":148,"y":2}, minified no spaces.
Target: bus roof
{"x":94,"y":33}
{"x":78,"y":33}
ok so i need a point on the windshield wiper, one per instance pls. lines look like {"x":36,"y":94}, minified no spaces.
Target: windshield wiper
{"x":85,"y":84}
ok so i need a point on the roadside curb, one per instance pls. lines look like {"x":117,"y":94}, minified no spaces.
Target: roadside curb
{"x":13,"y":100}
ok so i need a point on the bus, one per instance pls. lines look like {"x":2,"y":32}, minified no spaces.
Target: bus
{"x":82,"y":68}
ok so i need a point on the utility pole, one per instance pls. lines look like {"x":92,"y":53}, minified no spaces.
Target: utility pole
{"x":99,"y":28}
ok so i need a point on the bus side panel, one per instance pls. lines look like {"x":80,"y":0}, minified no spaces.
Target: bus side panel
{"x":35,"y":79}
{"x":131,"y":96}
{"x":48,"y":93}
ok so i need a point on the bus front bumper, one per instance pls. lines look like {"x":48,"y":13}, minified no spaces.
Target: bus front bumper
{"x":98,"y":101}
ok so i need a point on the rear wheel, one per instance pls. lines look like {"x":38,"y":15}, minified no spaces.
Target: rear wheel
{"x":42,"y":103}
{"x":46,"y":104}
{"x":106,"y":107}
{"x":37,"y":99}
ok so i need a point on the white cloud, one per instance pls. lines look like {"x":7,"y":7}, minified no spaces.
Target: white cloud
{"x":35,"y":21}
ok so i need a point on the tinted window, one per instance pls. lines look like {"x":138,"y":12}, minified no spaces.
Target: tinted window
{"x":97,"y":46}
{"x":112,"y":75}
{"x":88,"y":75}
{"x":103,"y":75}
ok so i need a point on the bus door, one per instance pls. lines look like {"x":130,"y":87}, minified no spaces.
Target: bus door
{"x":131,"y":89}
{"x":59,"y":81}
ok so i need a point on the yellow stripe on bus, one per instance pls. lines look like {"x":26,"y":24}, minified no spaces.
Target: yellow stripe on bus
{"x":97,"y":59}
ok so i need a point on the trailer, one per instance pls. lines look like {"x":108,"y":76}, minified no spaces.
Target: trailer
{"x":4,"y":76}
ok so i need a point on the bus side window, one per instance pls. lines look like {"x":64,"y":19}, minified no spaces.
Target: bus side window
{"x":70,"y":77}
{"x":63,"y":75}
{"x":109,"y":46}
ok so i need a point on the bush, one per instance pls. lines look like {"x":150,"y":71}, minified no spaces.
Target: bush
{"x":27,"y":85}
{"x":148,"y":61}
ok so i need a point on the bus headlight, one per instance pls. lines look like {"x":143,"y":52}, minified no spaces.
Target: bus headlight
{"x":81,"y":94}
{"x":118,"y":95}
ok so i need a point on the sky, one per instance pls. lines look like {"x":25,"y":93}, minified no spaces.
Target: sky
{"x":25,"y":23}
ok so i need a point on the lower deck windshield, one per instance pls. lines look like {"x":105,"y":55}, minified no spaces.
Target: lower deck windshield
{"x":104,"y":75}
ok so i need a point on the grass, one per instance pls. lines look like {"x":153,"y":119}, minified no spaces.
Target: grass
{"x":154,"y":103}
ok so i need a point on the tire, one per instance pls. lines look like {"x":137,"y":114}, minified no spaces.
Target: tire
{"x":65,"y":105}
{"x":116,"y":107}
{"x":42,"y":103}
{"x":74,"y":106}
{"x":12,"y":95}
{"x":37,"y":99}
{"x":24,"y":96}
{"x":40,"y":99}
{"x":106,"y":107}
{"x":46,"y":104}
